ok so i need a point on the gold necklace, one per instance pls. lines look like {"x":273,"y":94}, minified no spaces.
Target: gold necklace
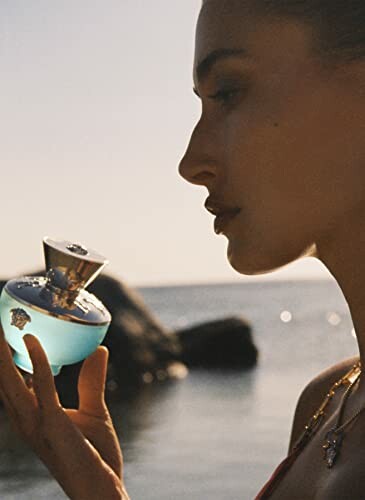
{"x":334,"y":437}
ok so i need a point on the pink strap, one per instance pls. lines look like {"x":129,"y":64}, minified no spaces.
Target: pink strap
{"x":278,"y":474}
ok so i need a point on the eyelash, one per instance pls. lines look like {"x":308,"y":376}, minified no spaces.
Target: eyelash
{"x":224,"y":96}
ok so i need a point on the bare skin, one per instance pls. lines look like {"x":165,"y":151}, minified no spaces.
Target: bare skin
{"x":282,"y":138}
{"x":79,"y":447}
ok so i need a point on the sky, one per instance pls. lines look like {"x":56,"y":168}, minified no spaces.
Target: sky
{"x":96,"y":110}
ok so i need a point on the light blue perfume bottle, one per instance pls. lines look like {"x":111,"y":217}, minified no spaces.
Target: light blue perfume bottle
{"x":69,"y":321}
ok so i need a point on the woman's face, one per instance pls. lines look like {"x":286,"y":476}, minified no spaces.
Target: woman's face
{"x":280,"y":141}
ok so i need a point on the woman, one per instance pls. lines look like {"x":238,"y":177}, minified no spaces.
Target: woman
{"x":280,"y":147}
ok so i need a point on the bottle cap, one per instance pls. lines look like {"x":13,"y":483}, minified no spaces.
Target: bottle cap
{"x":70,"y":265}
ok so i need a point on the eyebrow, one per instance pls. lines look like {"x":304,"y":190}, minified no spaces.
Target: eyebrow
{"x":206,"y":65}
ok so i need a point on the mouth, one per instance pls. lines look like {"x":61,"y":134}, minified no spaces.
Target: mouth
{"x":224,"y":213}
{"x":222,"y":220}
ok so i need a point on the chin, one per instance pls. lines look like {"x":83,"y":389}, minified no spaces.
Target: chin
{"x":250,"y":262}
{"x":248,"y":268}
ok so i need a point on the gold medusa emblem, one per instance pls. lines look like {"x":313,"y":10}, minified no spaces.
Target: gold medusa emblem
{"x":19,"y":318}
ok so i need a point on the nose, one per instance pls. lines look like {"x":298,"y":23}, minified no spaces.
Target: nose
{"x":197,"y":166}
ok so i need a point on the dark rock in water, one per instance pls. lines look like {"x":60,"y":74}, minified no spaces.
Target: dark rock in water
{"x":137,"y":341}
{"x":223,"y":343}
{"x":140,"y":348}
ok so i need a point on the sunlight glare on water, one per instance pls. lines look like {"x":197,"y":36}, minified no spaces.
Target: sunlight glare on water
{"x":333,"y":318}
{"x":286,"y":316}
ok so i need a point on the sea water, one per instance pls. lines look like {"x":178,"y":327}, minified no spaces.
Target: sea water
{"x":215,"y":435}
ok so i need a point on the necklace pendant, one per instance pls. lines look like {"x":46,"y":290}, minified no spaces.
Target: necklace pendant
{"x":332,"y":446}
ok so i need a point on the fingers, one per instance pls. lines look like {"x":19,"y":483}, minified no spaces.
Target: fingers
{"x":14,"y":391}
{"x":43,"y":381}
{"x":28,"y":379}
{"x":92,"y":382}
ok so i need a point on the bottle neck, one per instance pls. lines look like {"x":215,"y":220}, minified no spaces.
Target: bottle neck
{"x":63,"y":287}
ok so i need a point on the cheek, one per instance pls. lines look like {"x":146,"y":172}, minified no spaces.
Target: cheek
{"x":290,"y":165}
{"x":267,"y":167}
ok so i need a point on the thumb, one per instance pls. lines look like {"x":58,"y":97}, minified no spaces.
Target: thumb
{"x":91,"y":383}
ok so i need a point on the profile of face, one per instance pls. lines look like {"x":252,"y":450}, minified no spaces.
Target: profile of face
{"x":280,"y":140}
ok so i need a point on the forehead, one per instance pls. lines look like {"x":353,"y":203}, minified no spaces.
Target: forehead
{"x":236,"y":25}
{"x":222,"y":20}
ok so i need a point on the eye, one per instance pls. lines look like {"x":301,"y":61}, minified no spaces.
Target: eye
{"x":224,"y":96}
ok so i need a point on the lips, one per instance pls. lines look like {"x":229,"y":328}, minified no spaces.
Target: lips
{"x":224,"y":213}
{"x":222,"y":220}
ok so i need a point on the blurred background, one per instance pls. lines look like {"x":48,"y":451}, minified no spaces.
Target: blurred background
{"x":96,"y":110}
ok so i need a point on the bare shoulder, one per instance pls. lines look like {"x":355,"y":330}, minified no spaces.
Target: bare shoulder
{"x":314,"y":393}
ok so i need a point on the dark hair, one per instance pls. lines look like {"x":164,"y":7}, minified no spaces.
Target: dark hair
{"x":339,"y":24}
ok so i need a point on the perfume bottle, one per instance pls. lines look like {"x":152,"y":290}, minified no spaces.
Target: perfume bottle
{"x":69,"y":321}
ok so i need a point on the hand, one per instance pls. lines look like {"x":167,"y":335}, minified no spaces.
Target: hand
{"x":79,"y":447}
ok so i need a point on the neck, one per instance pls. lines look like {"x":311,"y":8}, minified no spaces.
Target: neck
{"x":342,"y":251}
